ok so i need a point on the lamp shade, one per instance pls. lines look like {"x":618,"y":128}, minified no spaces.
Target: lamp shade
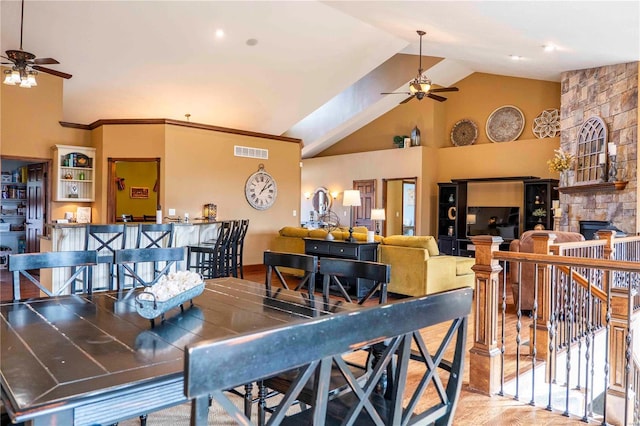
{"x":351,"y":197}
{"x":471,"y":219}
{"x":377,"y":214}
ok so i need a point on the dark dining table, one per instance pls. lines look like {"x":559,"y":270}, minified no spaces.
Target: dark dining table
{"x":92,"y":359}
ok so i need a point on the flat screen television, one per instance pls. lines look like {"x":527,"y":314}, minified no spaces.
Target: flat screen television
{"x":503,"y":221}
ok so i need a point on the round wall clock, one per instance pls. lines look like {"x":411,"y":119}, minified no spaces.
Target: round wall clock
{"x":464,"y":132}
{"x":505,"y":124}
{"x":261,"y":189}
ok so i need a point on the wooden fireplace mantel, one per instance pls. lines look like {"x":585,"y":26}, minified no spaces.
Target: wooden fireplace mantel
{"x":594,"y":187}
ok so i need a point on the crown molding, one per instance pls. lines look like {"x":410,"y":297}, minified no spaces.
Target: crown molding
{"x":167,"y":121}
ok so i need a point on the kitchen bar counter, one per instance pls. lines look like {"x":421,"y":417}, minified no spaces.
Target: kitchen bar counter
{"x":71,"y":236}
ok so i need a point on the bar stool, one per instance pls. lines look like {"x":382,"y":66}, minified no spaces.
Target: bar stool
{"x":238,"y":249}
{"x":208,"y":259}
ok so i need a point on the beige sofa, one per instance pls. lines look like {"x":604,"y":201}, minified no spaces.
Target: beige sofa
{"x":417,"y":267}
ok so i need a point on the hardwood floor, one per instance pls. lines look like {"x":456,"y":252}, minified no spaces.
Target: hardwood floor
{"x":473,"y":408}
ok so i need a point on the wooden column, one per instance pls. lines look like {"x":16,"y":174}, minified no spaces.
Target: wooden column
{"x":621,"y":336}
{"x":484,"y":359}
{"x":541,"y":244}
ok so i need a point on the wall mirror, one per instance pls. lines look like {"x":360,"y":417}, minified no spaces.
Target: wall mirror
{"x":399,"y":200}
{"x":321,"y":200}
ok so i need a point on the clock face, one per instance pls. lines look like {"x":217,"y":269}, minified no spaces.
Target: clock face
{"x":261,"y":190}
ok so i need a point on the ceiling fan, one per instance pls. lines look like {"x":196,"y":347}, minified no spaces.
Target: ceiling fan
{"x":420,"y":86}
{"x":25,"y":64}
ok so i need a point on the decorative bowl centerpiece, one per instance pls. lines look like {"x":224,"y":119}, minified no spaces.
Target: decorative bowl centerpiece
{"x":170,"y":291}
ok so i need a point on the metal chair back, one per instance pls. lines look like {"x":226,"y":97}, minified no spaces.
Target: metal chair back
{"x":106,"y":239}
{"x":306,"y":263}
{"x":154,"y":235}
{"x":80,"y":262}
{"x":129,"y":260}
{"x":335,"y":271}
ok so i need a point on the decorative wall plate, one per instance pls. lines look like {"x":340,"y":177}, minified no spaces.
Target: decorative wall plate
{"x":464,"y":132}
{"x":505,"y":124}
{"x":547,"y":124}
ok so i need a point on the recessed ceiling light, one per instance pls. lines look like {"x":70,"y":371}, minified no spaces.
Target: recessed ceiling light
{"x":219,"y":33}
{"x":516,"y":57}
{"x":549,"y":47}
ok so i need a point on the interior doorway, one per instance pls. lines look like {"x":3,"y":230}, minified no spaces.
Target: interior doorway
{"x":133,"y":189}
{"x":26,"y":203}
{"x":361,"y":216}
{"x":399,"y":200}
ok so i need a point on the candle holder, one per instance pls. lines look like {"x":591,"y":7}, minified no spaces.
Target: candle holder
{"x":603,"y":172}
{"x":210,"y":212}
{"x":613,"y":170}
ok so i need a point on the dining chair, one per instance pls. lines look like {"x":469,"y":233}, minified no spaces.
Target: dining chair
{"x":80,"y":262}
{"x":335,"y":271}
{"x":129,"y":260}
{"x":106,"y":239}
{"x":306,"y":263}
{"x":150,"y":235}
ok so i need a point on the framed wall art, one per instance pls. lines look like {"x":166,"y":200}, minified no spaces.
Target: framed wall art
{"x":139,"y":192}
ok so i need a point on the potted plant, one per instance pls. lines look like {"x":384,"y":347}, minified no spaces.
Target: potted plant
{"x":539,"y":213}
{"x":561,"y":162}
{"x":398,"y":141}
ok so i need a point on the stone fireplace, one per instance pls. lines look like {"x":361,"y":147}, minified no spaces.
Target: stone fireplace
{"x":611,"y":93}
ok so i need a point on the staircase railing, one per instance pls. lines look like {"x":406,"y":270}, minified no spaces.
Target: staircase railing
{"x":584,"y":293}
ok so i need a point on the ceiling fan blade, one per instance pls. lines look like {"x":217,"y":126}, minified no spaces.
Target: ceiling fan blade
{"x":408,"y":99}
{"x":45,"y":61}
{"x":52,"y":72}
{"x":395,"y":93}
{"x":444,"y":89}
{"x":436,"y":97}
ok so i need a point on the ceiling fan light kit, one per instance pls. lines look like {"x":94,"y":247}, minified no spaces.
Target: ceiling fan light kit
{"x":420,"y":87}
{"x":24,"y":64}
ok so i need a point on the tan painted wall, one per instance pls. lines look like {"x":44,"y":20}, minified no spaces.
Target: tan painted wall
{"x":141,"y":175}
{"x":30,"y":126}
{"x":480,"y":94}
{"x":203,"y":170}
{"x":125,"y":141}
{"x":30,"y":120}
{"x":399,"y":121}
{"x":337,"y":173}
{"x":197,"y":166}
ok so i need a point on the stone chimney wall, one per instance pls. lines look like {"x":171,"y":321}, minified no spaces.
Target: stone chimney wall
{"x":611,"y":93}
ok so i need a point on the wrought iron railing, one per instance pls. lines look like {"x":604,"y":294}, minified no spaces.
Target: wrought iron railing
{"x":579,"y":329}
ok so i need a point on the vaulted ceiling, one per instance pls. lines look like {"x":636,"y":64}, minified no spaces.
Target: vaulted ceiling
{"x":279,"y":61}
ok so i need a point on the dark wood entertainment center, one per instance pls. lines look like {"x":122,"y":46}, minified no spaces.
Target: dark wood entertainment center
{"x":452,"y":211}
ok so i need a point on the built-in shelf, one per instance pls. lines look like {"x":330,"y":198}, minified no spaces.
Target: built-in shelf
{"x":594,"y":187}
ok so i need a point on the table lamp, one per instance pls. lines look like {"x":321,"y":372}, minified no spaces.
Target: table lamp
{"x":350,"y":198}
{"x":377,"y":215}
{"x":471,"y":220}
